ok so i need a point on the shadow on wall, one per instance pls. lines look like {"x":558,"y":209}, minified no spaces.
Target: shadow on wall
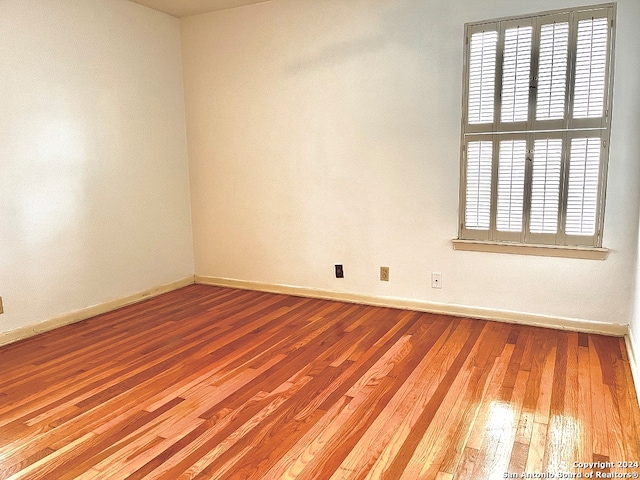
{"x":385,"y":97}
{"x":414,"y":25}
{"x":337,"y":53}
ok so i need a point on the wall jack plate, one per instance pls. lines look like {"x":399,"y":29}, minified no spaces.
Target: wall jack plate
{"x":339,"y":271}
{"x":384,"y":274}
{"x":436,"y":280}
{"x":1,"y":309}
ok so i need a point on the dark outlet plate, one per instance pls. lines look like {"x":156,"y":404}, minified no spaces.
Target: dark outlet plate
{"x":339,"y":271}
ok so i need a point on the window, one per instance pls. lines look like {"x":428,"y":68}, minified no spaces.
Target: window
{"x":535,"y":128}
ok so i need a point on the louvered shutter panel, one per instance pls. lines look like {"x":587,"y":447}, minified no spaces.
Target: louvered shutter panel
{"x":482,"y":77}
{"x":552,"y":71}
{"x":516,"y":68}
{"x":511,"y":169}
{"x":582,"y":198}
{"x":478,"y":191}
{"x":537,"y":122}
{"x":591,"y":62}
{"x":545,"y":185}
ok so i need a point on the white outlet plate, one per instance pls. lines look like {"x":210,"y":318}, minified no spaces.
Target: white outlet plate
{"x":436,"y":280}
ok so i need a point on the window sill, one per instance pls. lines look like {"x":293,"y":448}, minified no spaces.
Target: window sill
{"x":589,"y":253}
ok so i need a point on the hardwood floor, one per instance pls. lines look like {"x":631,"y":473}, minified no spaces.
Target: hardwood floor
{"x":207,"y":382}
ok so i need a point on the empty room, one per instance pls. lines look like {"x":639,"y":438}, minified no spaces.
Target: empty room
{"x":319,"y":239}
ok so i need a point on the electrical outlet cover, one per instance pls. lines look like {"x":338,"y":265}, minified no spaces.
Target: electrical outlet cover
{"x":384,"y":274}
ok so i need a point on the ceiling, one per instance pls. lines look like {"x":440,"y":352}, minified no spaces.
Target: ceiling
{"x":184,"y":8}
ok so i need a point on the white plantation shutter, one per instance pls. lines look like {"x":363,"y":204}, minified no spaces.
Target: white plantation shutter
{"x":584,"y":174}
{"x":552,"y":71}
{"x":511,"y":165}
{"x":536,"y":127}
{"x":482,"y":76}
{"x":545,"y":187}
{"x":478,"y":193}
{"x":591,"y":62}
{"x":515,"y":74}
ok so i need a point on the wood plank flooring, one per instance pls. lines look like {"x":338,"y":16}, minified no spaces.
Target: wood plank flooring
{"x":208,"y":382}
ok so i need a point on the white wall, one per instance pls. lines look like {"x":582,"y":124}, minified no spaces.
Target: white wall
{"x":630,"y":97}
{"x":94,"y":199}
{"x":634,"y":327}
{"x":325,"y":131}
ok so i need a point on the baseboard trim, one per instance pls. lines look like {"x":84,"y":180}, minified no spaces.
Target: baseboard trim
{"x":84,"y":313}
{"x":633,"y":362}
{"x":561,"y":323}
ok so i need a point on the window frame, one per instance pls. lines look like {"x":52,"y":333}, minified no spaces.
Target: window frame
{"x":566,"y":128}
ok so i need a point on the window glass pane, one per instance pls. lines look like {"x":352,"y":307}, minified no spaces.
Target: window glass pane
{"x":591,"y":58}
{"x":512,"y":159}
{"x":545,"y":188}
{"x":584,"y":169}
{"x":515,"y":74}
{"x":482,"y":73}
{"x":478,"y":193}
{"x":552,"y":71}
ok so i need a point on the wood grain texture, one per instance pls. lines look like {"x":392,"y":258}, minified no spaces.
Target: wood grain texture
{"x":211,"y":382}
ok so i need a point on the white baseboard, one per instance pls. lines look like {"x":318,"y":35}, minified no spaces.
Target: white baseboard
{"x":633,"y":362}
{"x":573,"y":324}
{"x":562,"y":323}
{"x":83,"y":314}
